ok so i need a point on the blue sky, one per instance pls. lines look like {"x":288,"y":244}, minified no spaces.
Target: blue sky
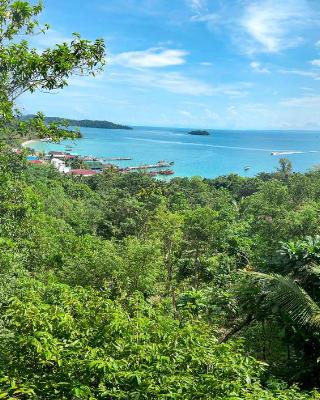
{"x":234,"y":64}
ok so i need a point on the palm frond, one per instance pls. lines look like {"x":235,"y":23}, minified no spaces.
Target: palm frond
{"x":291,"y":299}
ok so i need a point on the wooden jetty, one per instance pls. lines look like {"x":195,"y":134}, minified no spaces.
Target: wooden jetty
{"x":160,"y":164}
{"x":104,"y":159}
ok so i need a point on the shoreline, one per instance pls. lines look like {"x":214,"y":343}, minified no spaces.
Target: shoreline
{"x":28,"y":142}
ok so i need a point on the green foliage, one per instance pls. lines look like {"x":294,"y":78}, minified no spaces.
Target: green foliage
{"x":24,"y":69}
{"x":113,"y":235}
{"x":63,"y":343}
{"x":285,"y":166}
{"x":87,"y":123}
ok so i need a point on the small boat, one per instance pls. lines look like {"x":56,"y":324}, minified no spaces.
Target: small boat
{"x":247,"y":167}
{"x":166,"y":172}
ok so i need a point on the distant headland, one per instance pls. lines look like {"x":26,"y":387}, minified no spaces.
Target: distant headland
{"x":199,"y":133}
{"x":85,"y":123}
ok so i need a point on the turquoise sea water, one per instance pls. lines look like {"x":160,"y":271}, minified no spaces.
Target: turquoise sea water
{"x":221,"y":153}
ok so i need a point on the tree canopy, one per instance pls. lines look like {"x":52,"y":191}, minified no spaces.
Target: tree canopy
{"x":26,"y":69}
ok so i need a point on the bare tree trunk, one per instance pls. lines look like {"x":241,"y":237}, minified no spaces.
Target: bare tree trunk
{"x":237,"y":329}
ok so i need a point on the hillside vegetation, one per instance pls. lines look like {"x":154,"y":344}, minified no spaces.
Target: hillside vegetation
{"x":84,"y":123}
{"x":122,"y":286}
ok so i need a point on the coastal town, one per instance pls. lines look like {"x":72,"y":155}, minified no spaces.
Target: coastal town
{"x":69,"y":163}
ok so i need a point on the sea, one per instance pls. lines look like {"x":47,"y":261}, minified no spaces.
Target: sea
{"x":223,"y":152}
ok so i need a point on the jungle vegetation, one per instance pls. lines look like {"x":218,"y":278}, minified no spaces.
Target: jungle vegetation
{"x":120,"y":286}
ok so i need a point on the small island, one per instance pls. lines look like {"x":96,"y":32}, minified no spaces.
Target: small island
{"x":199,"y":133}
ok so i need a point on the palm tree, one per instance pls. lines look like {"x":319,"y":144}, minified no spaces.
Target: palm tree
{"x":290,"y":301}
{"x":285,"y":296}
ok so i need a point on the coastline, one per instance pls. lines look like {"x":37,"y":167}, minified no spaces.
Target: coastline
{"x":220,"y":154}
{"x":29,"y":142}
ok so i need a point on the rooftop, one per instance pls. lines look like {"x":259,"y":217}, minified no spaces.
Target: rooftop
{"x":35,"y":161}
{"x":82,"y":172}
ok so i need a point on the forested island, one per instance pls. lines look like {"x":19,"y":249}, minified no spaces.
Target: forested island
{"x":199,"y":133}
{"x":84,"y":123}
{"x":122,"y":286}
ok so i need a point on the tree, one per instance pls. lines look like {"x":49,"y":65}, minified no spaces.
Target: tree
{"x":285,"y":167}
{"x":290,"y":301}
{"x":25,"y":69}
{"x":142,"y":267}
{"x":166,"y":226}
{"x":200,"y":230}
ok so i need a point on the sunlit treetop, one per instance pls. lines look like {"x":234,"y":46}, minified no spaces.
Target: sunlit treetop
{"x":26,"y":69}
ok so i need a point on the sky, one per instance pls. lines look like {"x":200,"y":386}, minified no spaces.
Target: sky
{"x":224,"y":64}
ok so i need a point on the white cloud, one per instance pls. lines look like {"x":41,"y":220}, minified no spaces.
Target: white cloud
{"x":212,"y":21}
{"x":309,"y":101}
{"x":257,"y":67}
{"x":301,"y":72}
{"x":316,"y":63}
{"x":178,"y":83}
{"x":150,"y":58}
{"x":206,"y":18}
{"x":172,"y":82}
{"x":270,"y":24}
{"x":307,"y":89}
{"x":197,"y":6}
{"x":283,"y":115}
{"x":186,"y":114}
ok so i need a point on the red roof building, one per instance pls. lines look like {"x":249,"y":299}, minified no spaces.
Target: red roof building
{"x":56,"y":153}
{"x":68,"y":157}
{"x":35,"y":162}
{"x":82,"y":172}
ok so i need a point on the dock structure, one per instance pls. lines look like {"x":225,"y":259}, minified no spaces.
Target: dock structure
{"x":118,"y":159}
{"x":59,"y":159}
{"x":160,"y":164}
{"x":105,"y":159}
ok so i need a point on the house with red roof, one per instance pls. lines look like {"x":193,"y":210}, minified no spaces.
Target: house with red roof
{"x":82,"y":172}
{"x":35,"y":162}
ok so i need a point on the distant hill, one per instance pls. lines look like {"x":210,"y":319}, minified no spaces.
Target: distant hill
{"x":85,"y":123}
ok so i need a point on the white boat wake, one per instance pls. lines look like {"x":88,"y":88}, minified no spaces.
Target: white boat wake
{"x":272,"y":151}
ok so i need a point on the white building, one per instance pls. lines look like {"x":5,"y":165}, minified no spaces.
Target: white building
{"x":60,"y":165}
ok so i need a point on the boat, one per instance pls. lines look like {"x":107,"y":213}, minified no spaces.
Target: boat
{"x":166,"y":172}
{"x":247,"y":167}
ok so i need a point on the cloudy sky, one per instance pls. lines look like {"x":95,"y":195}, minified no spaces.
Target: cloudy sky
{"x":234,"y":64}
